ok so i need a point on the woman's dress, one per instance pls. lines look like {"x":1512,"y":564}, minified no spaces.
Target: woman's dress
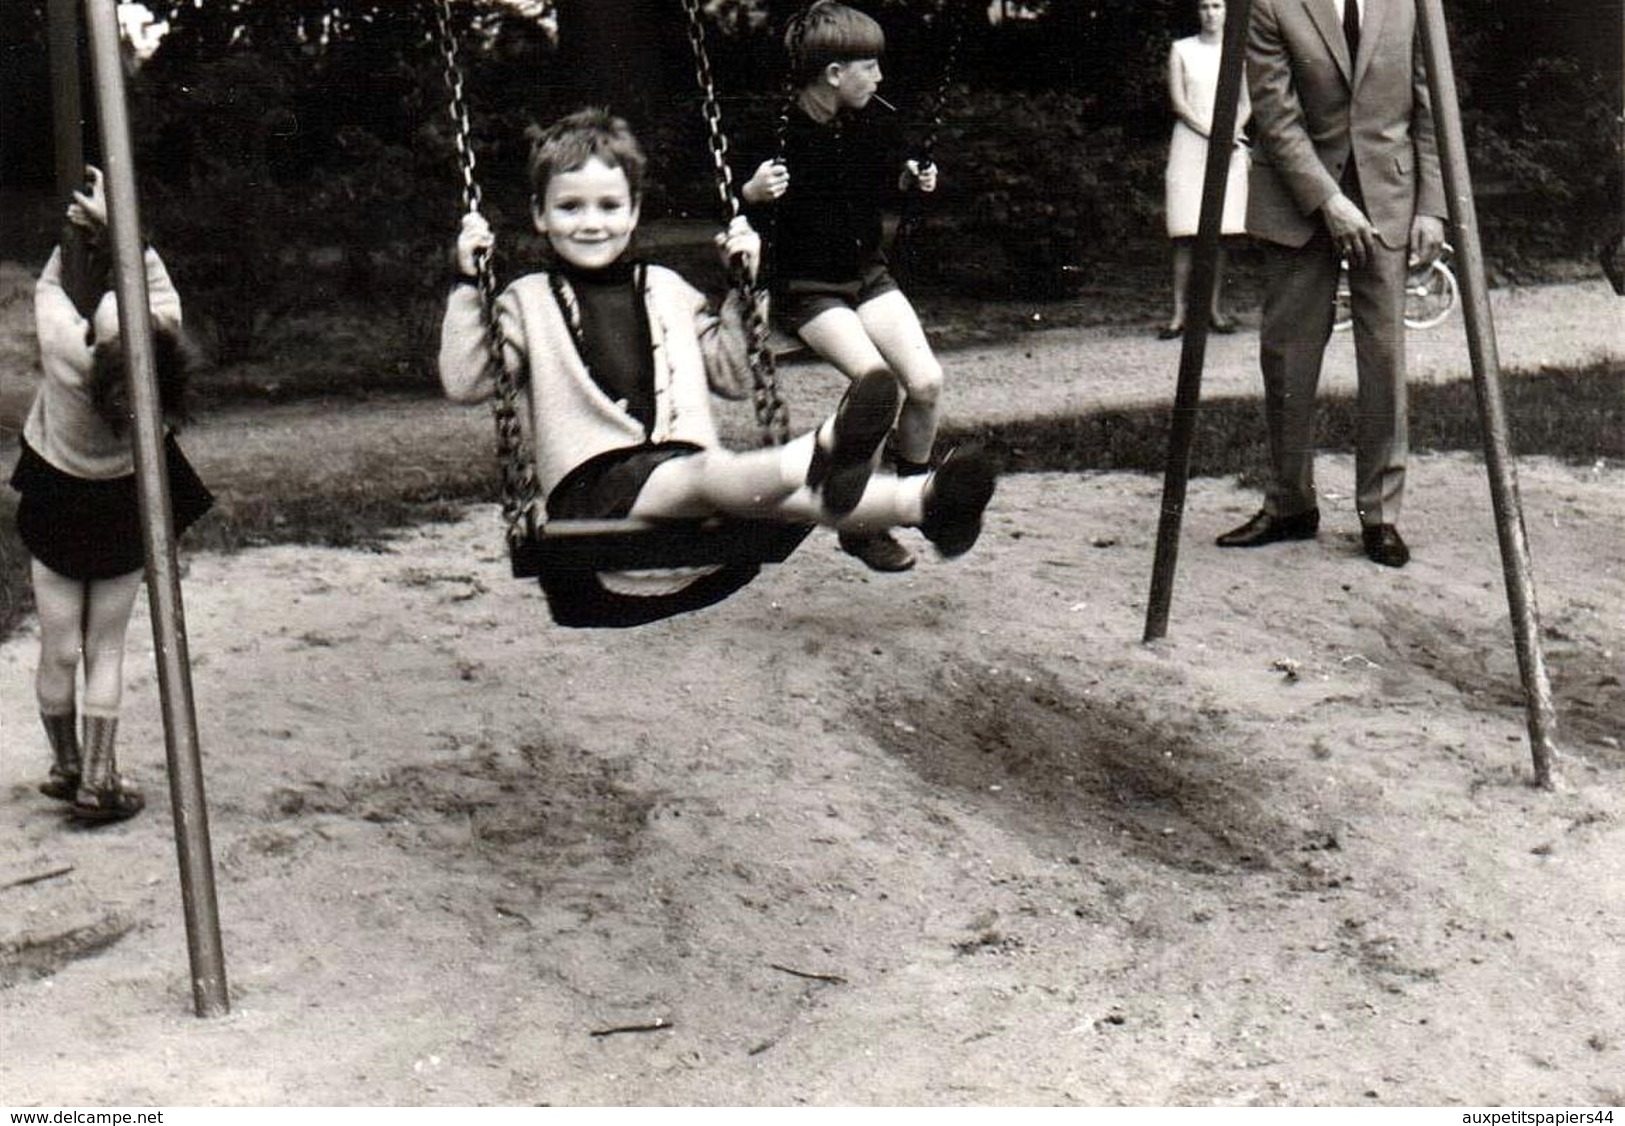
{"x":1187,"y":151}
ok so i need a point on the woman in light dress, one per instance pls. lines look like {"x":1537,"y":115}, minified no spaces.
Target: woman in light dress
{"x":1193,"y":79}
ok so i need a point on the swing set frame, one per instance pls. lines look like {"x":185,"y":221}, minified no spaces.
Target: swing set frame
{"x":210,"y":996}
{"x":1517,"y":570}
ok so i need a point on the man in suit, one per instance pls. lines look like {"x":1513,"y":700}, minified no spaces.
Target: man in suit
{"x":1344,"y":167}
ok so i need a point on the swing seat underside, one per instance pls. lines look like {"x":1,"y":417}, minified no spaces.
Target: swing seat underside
{"x":567,"y":557}
{"x":633,"y":545}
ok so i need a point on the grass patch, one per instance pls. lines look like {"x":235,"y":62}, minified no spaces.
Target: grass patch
{"x":346,"y":498}
{"x":257,"y":505}
{"x":1577,"y":416}
{"x":1574,"y":415}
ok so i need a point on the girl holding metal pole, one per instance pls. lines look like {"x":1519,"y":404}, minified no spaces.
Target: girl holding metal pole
{"x":79,"y":516}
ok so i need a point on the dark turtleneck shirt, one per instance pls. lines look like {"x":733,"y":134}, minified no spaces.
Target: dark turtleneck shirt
{"x":615,"y":341}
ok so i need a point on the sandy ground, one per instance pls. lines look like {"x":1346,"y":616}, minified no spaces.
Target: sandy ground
{"x":954,"y":837}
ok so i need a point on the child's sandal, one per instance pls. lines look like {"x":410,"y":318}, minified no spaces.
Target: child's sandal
{"x":61,"y":785}
{"x":118,"y":802}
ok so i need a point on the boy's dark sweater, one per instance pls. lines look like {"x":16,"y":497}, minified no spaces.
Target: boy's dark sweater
{"x":615,"y":340}
{"x":843,"y":178}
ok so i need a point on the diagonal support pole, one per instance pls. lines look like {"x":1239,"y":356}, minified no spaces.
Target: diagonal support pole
{"x":1486,"y":365}
{"x":1198,"y":301}
{"x":163,"y":575}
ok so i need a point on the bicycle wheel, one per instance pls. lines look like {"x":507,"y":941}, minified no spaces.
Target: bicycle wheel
{"x":1430,"y":295}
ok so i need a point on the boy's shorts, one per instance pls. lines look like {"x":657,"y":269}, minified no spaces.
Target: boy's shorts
{"x":802,"y":299}
{"x":606,"y":485}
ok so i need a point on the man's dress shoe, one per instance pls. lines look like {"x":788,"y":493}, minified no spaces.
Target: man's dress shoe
{"x":1266,"y":527}
{"x":1384,"y":545}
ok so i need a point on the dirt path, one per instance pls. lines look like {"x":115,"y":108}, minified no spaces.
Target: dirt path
{"x":1051,"y":372}
{"x":955,"y":837}
{"x":1071,"y":370}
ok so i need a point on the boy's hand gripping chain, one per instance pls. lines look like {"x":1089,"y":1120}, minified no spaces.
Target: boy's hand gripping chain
{"x":519,"y":489}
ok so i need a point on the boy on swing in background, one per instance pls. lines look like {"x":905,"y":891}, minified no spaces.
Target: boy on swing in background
{"x":823,"y":205}
{"x":618,"y":358}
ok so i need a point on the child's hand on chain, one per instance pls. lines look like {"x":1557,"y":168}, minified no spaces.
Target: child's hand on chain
{"x":922,"y":173}
{"x":89,"y":207}
{"x":740,"y":242}
{"x":474,"y":243}
{"x":770,"y":181}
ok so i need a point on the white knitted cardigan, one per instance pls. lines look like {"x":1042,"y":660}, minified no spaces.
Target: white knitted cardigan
{"x":569,"y":417}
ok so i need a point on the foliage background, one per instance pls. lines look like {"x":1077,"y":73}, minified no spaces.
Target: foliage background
{"x":297,"y":163}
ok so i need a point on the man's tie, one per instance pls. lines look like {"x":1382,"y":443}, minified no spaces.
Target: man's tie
{"x":1351,"y":27}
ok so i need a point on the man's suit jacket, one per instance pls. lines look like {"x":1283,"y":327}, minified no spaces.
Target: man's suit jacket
{"x":1314,"y":110}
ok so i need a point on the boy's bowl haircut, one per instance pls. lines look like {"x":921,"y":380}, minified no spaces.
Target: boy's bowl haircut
{"x":830,"y":32}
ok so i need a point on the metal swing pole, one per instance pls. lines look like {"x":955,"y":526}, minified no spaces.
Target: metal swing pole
{"x":68,"y":145}
{"x":163,"y":576}
{"x":1481,"y":351}
{"x":1198,"y":300}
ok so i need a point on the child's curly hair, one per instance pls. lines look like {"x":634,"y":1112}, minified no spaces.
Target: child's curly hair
{"x":830,"y":32}
{"x":573,"y":140}
{"x":175,"y":358}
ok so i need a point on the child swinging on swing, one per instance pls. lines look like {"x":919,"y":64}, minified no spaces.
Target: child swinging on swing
{"x":823,"y":200}
{"x":618,"y":358}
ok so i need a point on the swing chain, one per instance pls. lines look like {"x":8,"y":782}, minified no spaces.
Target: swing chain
{"x":908,"y":224}
{"x":457,"y":105}
{"x":956,"y":36}
{"x":795,"y":33}
{"x":772,"y":415}
{"x":712,"y":110}
{"x":518,"y":489}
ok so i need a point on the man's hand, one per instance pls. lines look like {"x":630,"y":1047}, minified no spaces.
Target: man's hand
{"x":770,"y":181}
{"x":89,"y":207}
{"x":1427,"y":240}
{"x":1352,"y":233}
{"x":474,"y":241}
{"x":922,"y":173}
{"x":741,"y":242}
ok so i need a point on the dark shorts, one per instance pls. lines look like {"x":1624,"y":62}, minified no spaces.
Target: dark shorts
{"x":799,"y":300}
{"x":86,"y":529}
{"x":605,"y":487}
{"x":1231,"y":241}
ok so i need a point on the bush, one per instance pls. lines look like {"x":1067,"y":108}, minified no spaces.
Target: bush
{"x":1036,"y":197}
{"x":1546,"y":163}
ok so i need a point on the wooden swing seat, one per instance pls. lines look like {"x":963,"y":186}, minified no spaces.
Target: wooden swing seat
{"x":786,"y":346}
{"x":633,"y":544}
{"x":569,"y":556}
